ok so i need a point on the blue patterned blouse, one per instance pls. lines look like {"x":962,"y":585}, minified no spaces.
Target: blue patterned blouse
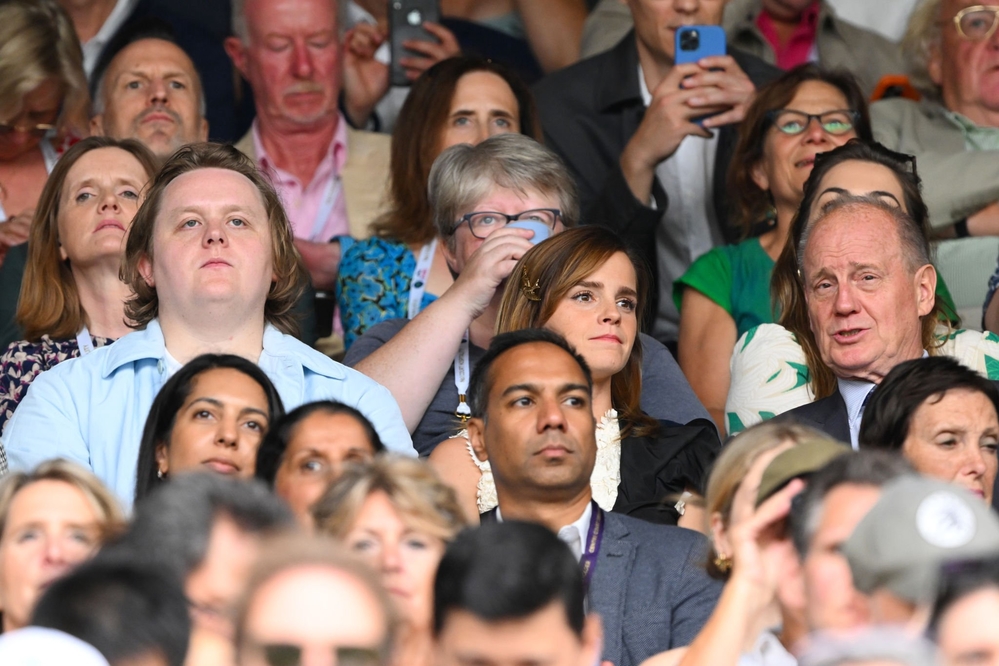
{"x":373,"y":284}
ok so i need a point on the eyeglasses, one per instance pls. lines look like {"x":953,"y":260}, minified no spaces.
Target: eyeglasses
{"x":37,"y":131}
{"x":793,"y":122}
{"x":288,"y":654}
{"x":483,"y":223}
{"x":977,"y":22}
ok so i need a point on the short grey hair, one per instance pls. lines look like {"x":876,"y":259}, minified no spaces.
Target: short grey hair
{"x":923,"y":34}
{"x":100,"y":102}
{"x":862,"y":468}
{"x":240,"y":27}
{"x":462,"y":175}
{"x":914,"y":243}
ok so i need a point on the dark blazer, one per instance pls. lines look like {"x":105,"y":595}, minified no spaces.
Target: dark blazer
{"x":650,"y":588}
{"x":828,"y":415}
{"x":589,"y":112}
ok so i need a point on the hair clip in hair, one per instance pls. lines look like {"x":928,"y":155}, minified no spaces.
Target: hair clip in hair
{"x":530,"y":291}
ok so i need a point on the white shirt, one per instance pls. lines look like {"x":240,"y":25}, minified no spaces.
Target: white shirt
{"x":92,"y":49}
{"x":689,"y":226}
{"x":768,"y":651}
{"x":573,"y":534}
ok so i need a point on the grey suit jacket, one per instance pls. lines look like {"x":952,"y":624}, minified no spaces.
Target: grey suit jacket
{"x":957,"y":182}
{"x":828,"y":415}
{"x":650,"y":587}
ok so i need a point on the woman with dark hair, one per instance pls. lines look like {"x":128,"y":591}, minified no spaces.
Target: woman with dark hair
{"x":401,"y":269}
{"x":725,"y":292}
{"x":962,"y":623}
{"x":71,"y":299}
{"x":589,"y":286}
{"x":307,"y":449}
{"x":212,"y":414}
{"x":942,"y":417}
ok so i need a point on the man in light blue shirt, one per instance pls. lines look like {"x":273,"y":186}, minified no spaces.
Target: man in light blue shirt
{"x":212,"y":263}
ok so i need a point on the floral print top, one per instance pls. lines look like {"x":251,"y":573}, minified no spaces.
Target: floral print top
{"x":373,"y":284}
{"x":23,"y":361}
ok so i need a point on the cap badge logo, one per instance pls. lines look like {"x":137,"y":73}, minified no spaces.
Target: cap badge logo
{"x":945,"y":520}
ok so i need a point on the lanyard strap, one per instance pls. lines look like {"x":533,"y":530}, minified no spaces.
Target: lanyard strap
{"x":330,"y":196}
{"x":591,"y":549}
{"x":84,"y":342}
{"x":418,"y":285}
{"x":461,"y":377}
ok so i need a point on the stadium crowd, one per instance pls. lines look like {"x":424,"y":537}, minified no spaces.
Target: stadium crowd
{"x":499,"y":333}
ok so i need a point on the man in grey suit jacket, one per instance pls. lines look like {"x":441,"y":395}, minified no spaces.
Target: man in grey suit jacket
{"x":532,"y":416}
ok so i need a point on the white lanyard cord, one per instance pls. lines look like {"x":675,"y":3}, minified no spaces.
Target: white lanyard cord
{"x":461,"y":378}
{"x":418,"y":285}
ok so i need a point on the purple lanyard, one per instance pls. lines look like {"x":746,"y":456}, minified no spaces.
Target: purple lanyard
{"x":591,"y":548}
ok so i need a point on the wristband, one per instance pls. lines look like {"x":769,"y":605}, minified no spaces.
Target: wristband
{"x":961,"y":228}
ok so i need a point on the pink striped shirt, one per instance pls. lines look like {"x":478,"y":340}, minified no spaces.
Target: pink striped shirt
{"x":305,"y":204}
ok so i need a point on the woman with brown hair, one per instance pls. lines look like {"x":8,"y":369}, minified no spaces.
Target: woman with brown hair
{"x":71,"y":298}
{"x":213,"y":266}
{"x":398,"y":517}
{"x":44,"y":104}
{"x":401,"y":269}
{"x":589,"y":287}
{"x":726,"y":291}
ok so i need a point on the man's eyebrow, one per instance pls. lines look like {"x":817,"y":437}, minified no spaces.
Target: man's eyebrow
{"x":569,"y":388}
{"x":530,"y":388}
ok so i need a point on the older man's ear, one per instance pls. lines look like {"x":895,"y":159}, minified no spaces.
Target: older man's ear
{"x":925,"y":282}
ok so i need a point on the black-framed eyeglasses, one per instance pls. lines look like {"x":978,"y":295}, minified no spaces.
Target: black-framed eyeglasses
{"x":794,"y":122}
{"x":977,"y":22}
{"x":483,"y":223}
{"x":290,"y":654}
{"x":38,"y":131}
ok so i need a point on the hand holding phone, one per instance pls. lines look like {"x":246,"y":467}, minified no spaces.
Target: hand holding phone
{"x":406,"y":24}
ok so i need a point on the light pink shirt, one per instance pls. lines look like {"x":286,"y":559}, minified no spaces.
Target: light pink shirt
{"x":305,"y":204}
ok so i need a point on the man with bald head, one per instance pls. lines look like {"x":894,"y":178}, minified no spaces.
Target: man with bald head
{"x":868,"y":283}
{"x":151,"y":92}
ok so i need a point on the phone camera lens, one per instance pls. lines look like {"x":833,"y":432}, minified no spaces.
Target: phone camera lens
{"x":690,"y":40}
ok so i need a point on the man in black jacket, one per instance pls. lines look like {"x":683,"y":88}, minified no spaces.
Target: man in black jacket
{"x":637,"y":131}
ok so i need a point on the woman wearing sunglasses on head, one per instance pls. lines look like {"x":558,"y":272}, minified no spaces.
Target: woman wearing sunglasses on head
{"x":43,"y":102}
{"x":727,"y":291}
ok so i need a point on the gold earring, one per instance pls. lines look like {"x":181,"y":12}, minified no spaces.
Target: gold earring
{"x":723,"y":564}
{"x":530,"y":291}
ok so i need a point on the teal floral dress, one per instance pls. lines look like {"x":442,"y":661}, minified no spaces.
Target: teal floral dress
{"x":373,"y":284}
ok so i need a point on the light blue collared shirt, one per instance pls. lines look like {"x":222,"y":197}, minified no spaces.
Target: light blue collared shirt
{"x":854,"y":394}
{"x":92,"y":409}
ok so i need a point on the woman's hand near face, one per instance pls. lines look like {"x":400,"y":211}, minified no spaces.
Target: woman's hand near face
{"x":755,"y":533}
{"x":707,"y":337}
{"x":489,"y":266}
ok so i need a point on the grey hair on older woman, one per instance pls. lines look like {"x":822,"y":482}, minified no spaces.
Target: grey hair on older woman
{"x":463,"y":175}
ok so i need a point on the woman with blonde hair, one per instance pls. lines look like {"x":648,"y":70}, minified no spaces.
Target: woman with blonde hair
{"x":588,"y":286}
{"x":51,"y":519}
{"x":760,"y":613}
{"x":399,"y":517}
{"x":71,"y":298}
{"x":44,"y":105}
